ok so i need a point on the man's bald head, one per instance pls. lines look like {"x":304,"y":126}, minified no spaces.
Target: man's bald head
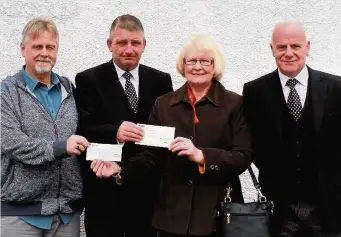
{"x":288,"y":27}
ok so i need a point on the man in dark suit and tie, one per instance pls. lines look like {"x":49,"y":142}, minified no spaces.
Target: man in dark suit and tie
{"x":294,"y":114}
{"x":112,"y":98}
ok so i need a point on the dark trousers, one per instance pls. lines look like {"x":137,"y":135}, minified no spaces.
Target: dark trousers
{"x":102,"y":226}
{"x":300,"y":220}
{"x":167,"y":234}
{"x":108,"y":226}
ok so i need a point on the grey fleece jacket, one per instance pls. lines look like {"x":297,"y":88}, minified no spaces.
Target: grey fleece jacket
{"x":37,"y":175}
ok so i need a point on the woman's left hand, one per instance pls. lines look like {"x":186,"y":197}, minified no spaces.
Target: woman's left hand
{"x":185,"y":147}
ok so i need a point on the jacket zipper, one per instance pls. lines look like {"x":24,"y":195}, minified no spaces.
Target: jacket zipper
{"x":57,"y":137}
{"x":229,"y":215}
{"x":55,"y":131}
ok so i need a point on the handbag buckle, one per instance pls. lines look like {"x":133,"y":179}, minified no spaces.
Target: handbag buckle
{"x":227,"y":197}
{"x":261,"y":197}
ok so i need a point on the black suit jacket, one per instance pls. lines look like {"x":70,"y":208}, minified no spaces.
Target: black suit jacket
{"x":262,"y":100}
{"x":103,"y":106}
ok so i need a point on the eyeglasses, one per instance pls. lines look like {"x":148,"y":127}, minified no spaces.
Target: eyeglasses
{"x":203,"y":62}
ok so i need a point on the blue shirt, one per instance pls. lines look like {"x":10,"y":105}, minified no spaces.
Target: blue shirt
{"x":50,"y":98}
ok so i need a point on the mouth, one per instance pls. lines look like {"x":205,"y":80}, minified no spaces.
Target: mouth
{"x":43,"y":59}
{"x":198,"y":74}
{"x":289,"y":61}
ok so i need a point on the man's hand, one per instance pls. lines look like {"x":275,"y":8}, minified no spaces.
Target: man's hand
{"x":75,"y":145}
{"x":129,"y":131}
{"x":186,"y":148}
{"x":104,"y":169}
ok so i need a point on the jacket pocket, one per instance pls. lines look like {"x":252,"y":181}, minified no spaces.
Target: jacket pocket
{"x":30,"y":183}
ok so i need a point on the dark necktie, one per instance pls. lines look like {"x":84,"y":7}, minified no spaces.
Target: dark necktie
{"x":130,"y":91}
{"x":294,"y":102}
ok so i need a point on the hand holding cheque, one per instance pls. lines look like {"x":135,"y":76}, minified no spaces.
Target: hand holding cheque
{"x":157,"y":136}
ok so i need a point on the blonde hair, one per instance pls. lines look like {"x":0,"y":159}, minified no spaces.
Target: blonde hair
{"x":202,"y":42}
{"x":38,"y":25}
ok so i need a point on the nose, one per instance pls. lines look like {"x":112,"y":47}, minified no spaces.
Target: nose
{"x":197,"y":65}
{"x":289,"y":52}
{"x":129,"y":48}
{"x":43,"y":52}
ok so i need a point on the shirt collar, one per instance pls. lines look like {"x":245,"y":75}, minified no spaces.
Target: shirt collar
{"x":54,"y":79}
{"x":32,"y":83}
{"x":302,"y":77}
{"x":134,"y":72}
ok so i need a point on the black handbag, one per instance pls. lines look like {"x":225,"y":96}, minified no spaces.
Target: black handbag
{"x":245,"y":219}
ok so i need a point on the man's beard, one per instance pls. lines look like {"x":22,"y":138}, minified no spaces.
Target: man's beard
{"x":43,"y":69}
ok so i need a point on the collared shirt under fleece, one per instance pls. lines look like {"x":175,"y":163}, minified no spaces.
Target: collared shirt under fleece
{"x":50,"y":98}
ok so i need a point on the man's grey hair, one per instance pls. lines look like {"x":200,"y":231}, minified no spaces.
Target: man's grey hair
{"x":38,"y":25}
{"x":127,"y":22}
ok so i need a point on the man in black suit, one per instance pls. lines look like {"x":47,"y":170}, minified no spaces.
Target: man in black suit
{"x":294,"y":114}
{"x":112,"y":98}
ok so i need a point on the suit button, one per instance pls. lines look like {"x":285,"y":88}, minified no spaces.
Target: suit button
{"x":190,"y":183}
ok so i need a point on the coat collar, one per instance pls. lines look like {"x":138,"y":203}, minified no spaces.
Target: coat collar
{"x":213,"y":95}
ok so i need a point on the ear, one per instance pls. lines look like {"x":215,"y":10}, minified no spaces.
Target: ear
{"x":109,"y":43}
{"x":272,"y":49}
{"x":22,"y":49}
{"x":144,"y":44}
{"x":308,"y":47}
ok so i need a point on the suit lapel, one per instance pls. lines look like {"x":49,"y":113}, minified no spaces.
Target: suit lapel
{"x":144,"y":87}
{"x":111,"y":80}
{"x":113,"y":90}
{"x":319,"y":93}
{"x":275,"y":99}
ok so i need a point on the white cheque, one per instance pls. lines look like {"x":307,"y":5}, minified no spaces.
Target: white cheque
{"x":106,"y":152}
{"x":158,"y":136}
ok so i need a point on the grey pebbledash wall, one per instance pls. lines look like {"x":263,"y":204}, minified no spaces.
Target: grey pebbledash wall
{"x":241,"y":27}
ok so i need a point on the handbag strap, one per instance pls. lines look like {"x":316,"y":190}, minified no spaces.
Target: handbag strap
{"x":261,"y":197}
{"x":253,"y":177}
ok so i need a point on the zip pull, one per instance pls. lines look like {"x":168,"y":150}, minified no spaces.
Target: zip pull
{"x":55,"y":130}
{"x":228,"y":218}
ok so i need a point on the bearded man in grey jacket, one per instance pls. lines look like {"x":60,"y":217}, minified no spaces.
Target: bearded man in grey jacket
{"x":41,"y":185}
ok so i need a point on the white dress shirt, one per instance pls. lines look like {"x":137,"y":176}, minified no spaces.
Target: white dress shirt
{"x":300,"y":87}
{"x":134,"y":80}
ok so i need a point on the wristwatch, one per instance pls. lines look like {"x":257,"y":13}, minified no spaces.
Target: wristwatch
{"x":118,"y":174}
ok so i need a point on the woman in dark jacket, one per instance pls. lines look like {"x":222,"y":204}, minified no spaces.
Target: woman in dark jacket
{"x":211,"y":148}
